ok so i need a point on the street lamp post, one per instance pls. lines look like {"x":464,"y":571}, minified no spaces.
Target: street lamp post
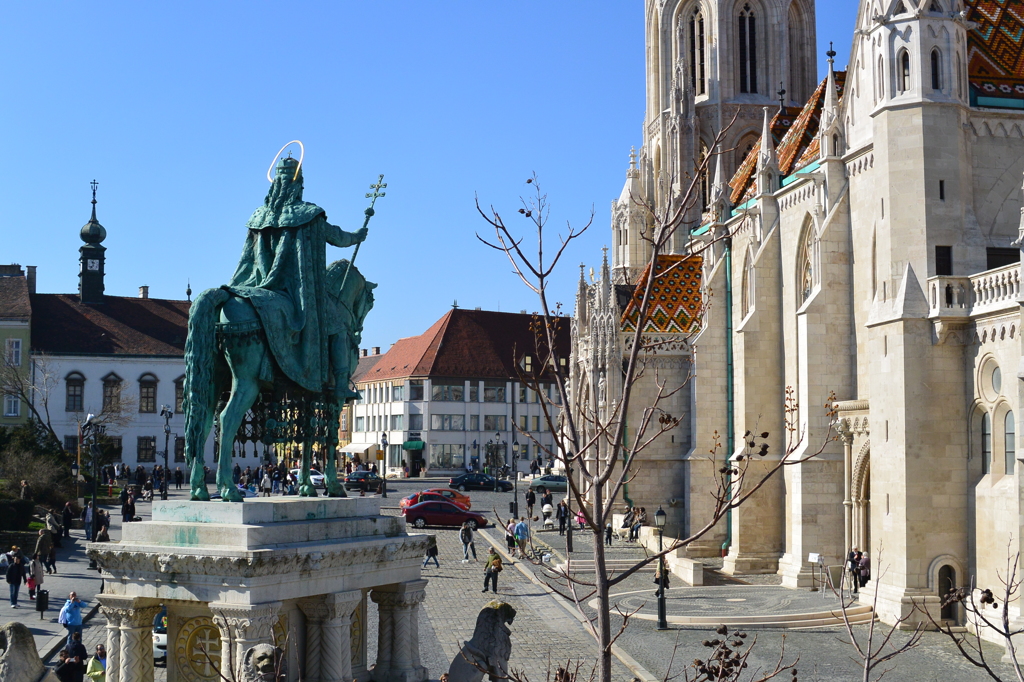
{"x":515,"y":480}
{"x":91,"y":432}
{"x":659,"y":520}
{"x":74,"y":474}
{"x":166,"y":413}
{"x":383,"y":466}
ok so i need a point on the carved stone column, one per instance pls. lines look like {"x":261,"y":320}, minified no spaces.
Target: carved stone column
{"x":336,"y":651}
{"x":243,"y":626}
{"x":315,"y":612}
{"x":398,"y":643}
{"x":136,"y":648}
{"x":114,"y":615}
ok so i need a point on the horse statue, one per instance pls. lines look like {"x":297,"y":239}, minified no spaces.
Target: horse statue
{"x":285,"y":332}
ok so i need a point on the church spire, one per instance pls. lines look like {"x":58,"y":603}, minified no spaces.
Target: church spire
{"x":767,"y":160}
{"x":830,"y":107}
{"x":91,"y":258}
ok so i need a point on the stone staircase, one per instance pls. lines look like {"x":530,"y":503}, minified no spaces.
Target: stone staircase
{"x":858,"y":614}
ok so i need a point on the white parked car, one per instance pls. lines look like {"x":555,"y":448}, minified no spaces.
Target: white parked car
{"x":160,"y":636}
{"x":314,"y":475}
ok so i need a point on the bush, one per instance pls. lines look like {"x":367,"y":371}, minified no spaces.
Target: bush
{"x":16,"y":514}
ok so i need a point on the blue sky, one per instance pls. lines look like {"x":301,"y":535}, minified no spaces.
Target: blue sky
{"x":177,"y":109}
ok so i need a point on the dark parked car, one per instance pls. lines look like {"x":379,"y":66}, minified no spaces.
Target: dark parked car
{"x":551,"y":482}
{"x":478,"y":482}
{"x":441,"y":514}
{"x":363,"y":480}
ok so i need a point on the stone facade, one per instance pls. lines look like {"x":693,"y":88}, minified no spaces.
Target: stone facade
{"x":866,"y":247}
{"x":290,"y":573}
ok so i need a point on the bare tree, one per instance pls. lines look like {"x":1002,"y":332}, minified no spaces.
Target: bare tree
{"x":592,"y":443}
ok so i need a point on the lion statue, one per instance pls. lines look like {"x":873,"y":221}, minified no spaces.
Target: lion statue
{"x":19,"y":659}
{"x":489,"y":650}
{"x":260,"y":664}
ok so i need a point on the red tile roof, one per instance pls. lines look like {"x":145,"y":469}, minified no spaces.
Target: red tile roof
{"x":14,"y":303}
{"x":995,"y":48}
{"x":797,"y":148}
{"x":62,"y":325}
{"x":779,"y":125}
{"x":480,"y":344}
{"x":675,"y":298}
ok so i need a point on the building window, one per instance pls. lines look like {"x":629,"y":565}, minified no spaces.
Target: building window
{"x":494,"y":392}
{"x":474,"y":392}
{"x":523,"y":397}
{"x":474,"y":422}
{"x":359,"y":424}
{"x":747,"y":287}
{"x":944,"y":261}
{"x":903,"y":75}
{"x":71,"y":445}
{"x":1001,"y":257}
{"x":147,"y":449}
{"x":881,"y":79}
{"x":448,"y":422}
{"x":524,"y":423}
{"x":697,"y":54}
{"x":748,"y":50}
{"x":415,"y":422}
{"x":807,"y":274}
{"x":13,"y":355}
{"x":1009,"y":443}
{"x":115,"y":446}
{"x":111,"y":393}
{"x":12,"y":405}
{"x":524,"y":452}
{"x":447,"y":456}
{"x":536,"y":423}
{"x":447,"y":392}
{"x":936,"y":70}
{"x":147,"y":393}
{"x":179,"y":395}
{"x":396,"y":422}
{"x":986,"y":443}
{"x":179,"y":449}
{"x":494,"y":422}
{"x":74,"y":389}
{"x":416,"y":389}
{"x":396,"y":392}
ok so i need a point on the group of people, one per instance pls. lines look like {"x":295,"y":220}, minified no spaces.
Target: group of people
{"x":859,"y":566}
{"x":74,"y":662}
{"x":266,"y":480}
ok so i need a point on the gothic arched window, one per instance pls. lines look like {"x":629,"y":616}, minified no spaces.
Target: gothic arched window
{"x":903,"y":74}
{"x":880,"y":92}
{"x":986,"y":443}
{"x":705,"y":178}
{"x":806,"y":274}
{"x":698,"y":79}
{"x":748,"y":50}
{"x":1010,"y":443}
{"x":936,"y":70}
{"x":959,"y":78}
{"x":747,"y":291}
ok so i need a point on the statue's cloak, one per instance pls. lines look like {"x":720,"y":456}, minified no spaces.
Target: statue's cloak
{"x":283,"y":273}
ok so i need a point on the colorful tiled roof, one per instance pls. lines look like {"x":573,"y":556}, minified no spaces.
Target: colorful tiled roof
{"x":798,"y":148}
{"x":62,"y":325}
{"x":479,"y":344}
{"x":995,"y":48}
{"x":780,"y":125}
{"x":675,"y":299}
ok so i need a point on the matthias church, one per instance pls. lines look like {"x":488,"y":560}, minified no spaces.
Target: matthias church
{"x":857,"y":234}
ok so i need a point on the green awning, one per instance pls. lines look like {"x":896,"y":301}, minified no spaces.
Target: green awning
{"x":413,"y":445}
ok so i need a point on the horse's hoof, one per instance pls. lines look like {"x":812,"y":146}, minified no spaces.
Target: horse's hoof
{"x":200,"y":495}
{"x":307,"y":491}
{"x":231,"y":495}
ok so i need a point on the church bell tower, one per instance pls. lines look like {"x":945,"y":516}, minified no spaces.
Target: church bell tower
{"x":91,"y":258}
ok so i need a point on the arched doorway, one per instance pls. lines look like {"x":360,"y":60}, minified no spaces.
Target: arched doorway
{"x":862,"y":499}
{"x":946,"y":582}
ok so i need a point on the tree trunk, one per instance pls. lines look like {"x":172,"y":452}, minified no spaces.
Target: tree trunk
{"x":604,"y":629}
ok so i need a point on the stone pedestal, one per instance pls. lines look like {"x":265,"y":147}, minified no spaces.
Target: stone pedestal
{"x":233,"y":575}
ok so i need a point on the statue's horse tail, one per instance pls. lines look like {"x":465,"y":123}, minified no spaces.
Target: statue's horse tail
{"x":200,"y":361}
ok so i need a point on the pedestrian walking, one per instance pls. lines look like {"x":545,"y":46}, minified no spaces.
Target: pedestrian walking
{"x":581,"y":520}
{"x":87,"y":521}
{"x":562,"y":514}
{"x":531,"y":500}
{"x":546,"y":499}
{"x":266,"y":485}
{"x":466,"y":535}
{"x":865,"y":569}
{"x":53,"y":525}
{"x":128,"y":509}
{"x":492,"y":567}
{"x":431,"y":552}
{"x":42,"y":550}
{"x":70,"y":617}
{"x":510,"y":536}
{"x":26,"y":491}
{"x":855,"y":569}
{"x":661,"y":580}
{"x":35,"y":576}
{"x":522,"y":533}
{"x":15,"y":577}
{"x":96,"y":668}
{"x":608,"y":534}
{"x":179,"y":478}
{"x":77,"y":653}
{"x":67,"y":516}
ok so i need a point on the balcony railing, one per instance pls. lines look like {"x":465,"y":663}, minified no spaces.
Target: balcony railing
{"x":986,"y":292}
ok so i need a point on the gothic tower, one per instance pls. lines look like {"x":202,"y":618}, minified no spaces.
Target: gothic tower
{"x":91,"y":260}
{"x":708,"y":62}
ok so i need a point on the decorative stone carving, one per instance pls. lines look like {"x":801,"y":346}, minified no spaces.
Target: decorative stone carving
{"x":243,"y":626}
{"x":137,"y":643}
{"x":263,"y":663}
{"x":114,"y":616}
{"x":398,"y":654}
{"x":19,"y":659}
{"x":489,"y":650}
{"x":196,"y":649}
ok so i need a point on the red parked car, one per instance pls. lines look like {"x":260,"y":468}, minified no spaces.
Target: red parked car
{"x":441,"y":514}
{"x":435,"y":496}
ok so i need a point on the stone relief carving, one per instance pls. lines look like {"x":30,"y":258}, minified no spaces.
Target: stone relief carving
{"x":489,"y":649}
{"x":19,"y":659}
{"x":264,"y":663}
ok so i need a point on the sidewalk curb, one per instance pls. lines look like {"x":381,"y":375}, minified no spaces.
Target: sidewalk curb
{"x":642,"y":673}
{"x":59,"y":642}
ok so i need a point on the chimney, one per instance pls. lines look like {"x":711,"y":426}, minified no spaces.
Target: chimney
{"x":144,"y":291}
{"x":31,"y":277}
{"x":522,"y":312}
{"x":478,"y":308}
{"x":362,"y":352}
{"x":376,"y":350}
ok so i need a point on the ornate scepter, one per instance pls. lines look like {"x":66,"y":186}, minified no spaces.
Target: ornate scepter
{"x":369,"y":214}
